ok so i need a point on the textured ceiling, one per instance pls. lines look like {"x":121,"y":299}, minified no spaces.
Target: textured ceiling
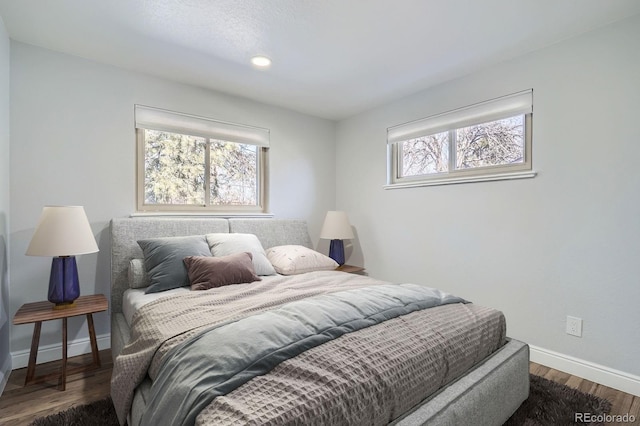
{"x":331,"y":58}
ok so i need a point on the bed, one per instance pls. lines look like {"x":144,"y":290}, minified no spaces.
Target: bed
{"x":268,"y":351}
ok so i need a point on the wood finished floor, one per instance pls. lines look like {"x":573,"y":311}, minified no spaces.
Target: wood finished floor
{"x":20,"y":405}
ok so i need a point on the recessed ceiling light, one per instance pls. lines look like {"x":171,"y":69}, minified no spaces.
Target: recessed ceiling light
{"x":261,"y":61}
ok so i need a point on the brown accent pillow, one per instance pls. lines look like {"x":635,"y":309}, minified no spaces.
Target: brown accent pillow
{"x":207,"y":272}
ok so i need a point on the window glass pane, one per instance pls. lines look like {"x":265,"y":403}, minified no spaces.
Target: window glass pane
{"x":173,"y":168}
{"x":491,"y":144}
{"x":234,"y":174}
{"x":425,"y":155}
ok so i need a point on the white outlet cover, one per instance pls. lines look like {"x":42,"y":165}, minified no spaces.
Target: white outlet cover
{"x":574,"y":326}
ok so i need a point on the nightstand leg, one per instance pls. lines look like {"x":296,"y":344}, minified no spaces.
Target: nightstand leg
{"x":64,"y":354}
{"x":94,"y":343}
{"x":33,"y":355}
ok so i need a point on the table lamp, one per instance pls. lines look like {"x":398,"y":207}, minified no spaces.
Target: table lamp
{"x":63,"y":232}
{"x":336,"y":228}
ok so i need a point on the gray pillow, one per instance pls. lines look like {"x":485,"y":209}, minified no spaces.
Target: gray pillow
{"x":138,"y":277}
{"x":163,"y":260}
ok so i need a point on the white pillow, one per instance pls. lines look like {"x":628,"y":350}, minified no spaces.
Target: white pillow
{"x":226,"y":244}
{"x":292,"y":260}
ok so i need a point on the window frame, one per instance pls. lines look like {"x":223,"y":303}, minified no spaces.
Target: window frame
{"x":456,"y":119}
{"x":262,"y":175}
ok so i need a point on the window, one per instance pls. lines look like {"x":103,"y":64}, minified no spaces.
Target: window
{"x":486,"y":141}
{"x":195,"y":164}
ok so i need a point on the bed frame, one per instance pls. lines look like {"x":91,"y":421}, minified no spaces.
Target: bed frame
{"x":486,"y":395}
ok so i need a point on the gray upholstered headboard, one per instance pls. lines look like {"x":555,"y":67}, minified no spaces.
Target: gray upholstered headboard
{"x":125,"y":233}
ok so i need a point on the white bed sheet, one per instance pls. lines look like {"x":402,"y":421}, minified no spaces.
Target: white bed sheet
{"x":134,"y":298}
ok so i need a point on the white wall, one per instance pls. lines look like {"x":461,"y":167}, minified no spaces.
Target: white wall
{"x":564,"y":243}
{"x":73,"y":142}
{"x":5,"y":358}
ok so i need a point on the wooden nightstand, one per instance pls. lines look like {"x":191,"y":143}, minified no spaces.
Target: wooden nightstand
{"x":350,"y":269}
{"x":43,"y":311}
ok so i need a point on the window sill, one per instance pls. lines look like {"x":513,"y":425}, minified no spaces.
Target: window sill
{"x":201,"y":214}
{"x":461,"y":179}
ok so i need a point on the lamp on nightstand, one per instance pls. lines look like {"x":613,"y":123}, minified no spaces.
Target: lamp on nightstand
{"x":63,"y":232}
{"x":336,"y":228}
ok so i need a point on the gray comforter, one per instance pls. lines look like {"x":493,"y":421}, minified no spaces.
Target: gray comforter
{"x":404,"y":359}
{"x":223,"y":358}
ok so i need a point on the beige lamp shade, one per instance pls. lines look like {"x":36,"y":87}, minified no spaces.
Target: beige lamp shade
{"x":336,"y":226}
{"x":62,"y":231}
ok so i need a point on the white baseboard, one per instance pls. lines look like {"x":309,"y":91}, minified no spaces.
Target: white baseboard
{"x":610,"y":377}
{"x":5,"y":370}
{"x":54,"y":352}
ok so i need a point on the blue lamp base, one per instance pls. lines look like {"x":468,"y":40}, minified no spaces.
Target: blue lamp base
{"x":64,"y":286}
{"x":336,"y":251}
